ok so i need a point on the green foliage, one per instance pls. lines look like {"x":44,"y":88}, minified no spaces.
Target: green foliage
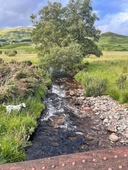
{"x":16,"y":128}
{"x":1,"y":61}
{"x":4,"y":70}
{"x":11,"y":53}
{"x":122,"y":82}
{"x":112,"y":67}
{"x":113,"y":42}
{"x":124,"y":97}
{"x":114,"y":93}
{"x":94,"y":85}
{"x":64,"y":35}
{"x":9,"y":150}
{"x":27,"y":62}
{"x":48,"y":80}
{"x":21,"y":34}
{"x":40,"y":92}
{"x":21,"y":74}
{"x":16,"y":45}
{"x":71,"y":55}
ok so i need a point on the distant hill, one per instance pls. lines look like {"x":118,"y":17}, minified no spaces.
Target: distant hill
{"x":21,"y":34}
{"x":108,"y":41}
{"x":113,"y":42}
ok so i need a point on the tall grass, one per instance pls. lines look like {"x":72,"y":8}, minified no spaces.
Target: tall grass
{"x":16,"y":128}
{"x":112,"y":66}
{"x":26,"y":83}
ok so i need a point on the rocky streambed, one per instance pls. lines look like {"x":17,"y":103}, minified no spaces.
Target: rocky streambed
{"x":114,"y":116}
{"x":72,"y":123}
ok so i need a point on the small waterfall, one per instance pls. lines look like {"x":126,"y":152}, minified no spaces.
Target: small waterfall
{"x":56,"y":105}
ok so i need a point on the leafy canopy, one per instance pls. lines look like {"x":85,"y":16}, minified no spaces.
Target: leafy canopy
{"x":65,"y":35}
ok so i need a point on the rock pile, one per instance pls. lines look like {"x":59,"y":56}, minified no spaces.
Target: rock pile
{"x":113,"y":115}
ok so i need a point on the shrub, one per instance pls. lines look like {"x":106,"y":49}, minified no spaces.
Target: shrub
{"x":94,"y":86}
{"x":28,"y":62}
{"x":20,"y":75}
{"x":0,"y":52}
{"x":11,"y":53}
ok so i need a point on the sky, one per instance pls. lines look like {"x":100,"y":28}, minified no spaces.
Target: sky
{"x":113,"y":14}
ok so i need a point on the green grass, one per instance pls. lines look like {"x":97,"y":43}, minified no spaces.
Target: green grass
{"x":20,"y":57}
{"x":113,"y":42}
{"x":16,"y":128}
{"x":16,"y":45}
{"x":26,"y":83}
{"x":27,"y":48}
{"x":112,"y":66}
{"x":25,"y":51}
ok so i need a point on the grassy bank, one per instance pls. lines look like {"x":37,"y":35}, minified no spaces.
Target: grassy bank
{"x":20,"y":82}
{"x":112,"y":67}
{"x":16,"y":128}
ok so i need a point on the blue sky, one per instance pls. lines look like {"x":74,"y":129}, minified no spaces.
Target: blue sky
{"x":113,"y":14}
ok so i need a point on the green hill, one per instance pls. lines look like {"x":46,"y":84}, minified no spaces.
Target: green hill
{"x":113,"y":42}
{"x":21,"y":34}
{"x":108,"y":41}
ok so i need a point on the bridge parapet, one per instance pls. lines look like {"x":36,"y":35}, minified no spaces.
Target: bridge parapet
{"x":108,"y":159}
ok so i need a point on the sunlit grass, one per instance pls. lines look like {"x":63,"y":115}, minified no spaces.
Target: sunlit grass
{"x":112,"y":66}
{"x":20,"y":57}
{"x":108,"y":56}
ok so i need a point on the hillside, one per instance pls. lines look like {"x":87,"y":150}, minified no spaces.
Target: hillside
{"x":113,"y":42}
{"x":108,"y":41}
{"x":21,"y":34}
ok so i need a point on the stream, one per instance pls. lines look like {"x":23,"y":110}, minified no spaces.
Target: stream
{"x":62,"y":129}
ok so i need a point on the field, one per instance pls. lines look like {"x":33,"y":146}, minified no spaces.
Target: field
{"x":112,"y":67}
{"x":25,"y":51}
{"x":111,"y":56}
{"x":20,"y":57}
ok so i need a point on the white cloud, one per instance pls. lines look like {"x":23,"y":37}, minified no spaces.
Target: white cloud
{"x":15,"y":13}
{"x":117,"y":23}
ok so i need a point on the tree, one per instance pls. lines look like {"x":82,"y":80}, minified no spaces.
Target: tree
{"x":65,"y":35}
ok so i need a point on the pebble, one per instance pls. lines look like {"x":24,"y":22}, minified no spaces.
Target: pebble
{"x":113,"y":115}
{"x":113,"y":137}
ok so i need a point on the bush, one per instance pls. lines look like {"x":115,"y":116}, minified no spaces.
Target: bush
{"x":0,"y":52}
{"x":94,"y":86}
{"x":28,"y":62}
{"x":20,"y":75}
{"x":11,"y":53}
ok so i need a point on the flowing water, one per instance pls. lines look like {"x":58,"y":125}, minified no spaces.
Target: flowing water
{"x":61,"y":129}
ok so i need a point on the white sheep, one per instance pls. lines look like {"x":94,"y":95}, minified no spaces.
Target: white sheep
{"x":9,"y":108}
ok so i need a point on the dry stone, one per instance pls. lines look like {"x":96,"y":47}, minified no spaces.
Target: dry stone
{"x":113,"y":137}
